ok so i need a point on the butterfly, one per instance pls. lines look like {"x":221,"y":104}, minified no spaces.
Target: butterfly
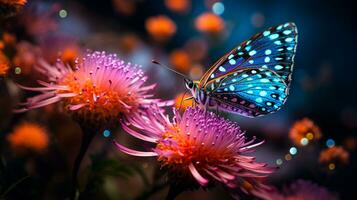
{"x":252,"y":79}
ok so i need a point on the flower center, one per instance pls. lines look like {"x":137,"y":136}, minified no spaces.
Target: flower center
{"x":177,"y":148}
{"x":99,"y":100}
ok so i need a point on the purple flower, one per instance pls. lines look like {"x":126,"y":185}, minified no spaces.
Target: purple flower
{"x":202,"y":146}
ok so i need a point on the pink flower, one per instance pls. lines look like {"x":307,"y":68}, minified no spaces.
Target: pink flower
{"x":200,"y":146}
{"x":101,"y":88}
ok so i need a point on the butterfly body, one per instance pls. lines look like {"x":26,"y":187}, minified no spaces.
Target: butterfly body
{"x":253,"y":79}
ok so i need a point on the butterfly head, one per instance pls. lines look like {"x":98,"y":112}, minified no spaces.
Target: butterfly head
{"x":192,"y":86}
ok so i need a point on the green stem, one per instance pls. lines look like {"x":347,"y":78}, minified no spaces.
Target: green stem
{"x":87,"y":137}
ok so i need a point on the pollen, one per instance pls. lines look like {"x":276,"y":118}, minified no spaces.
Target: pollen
{"x":100,"y":101}
{"x":180,"y":149}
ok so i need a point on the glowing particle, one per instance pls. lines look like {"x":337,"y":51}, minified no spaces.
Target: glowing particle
{"x":63,"y":13}
{"x":330,"y":143}
{"x":310,"y":136}
{"x":331,"y":166}
{"x":218,"y":8}
{"x":293,"y":151}
{"x":288,"y":157}
{"x":106,"y":133}
{"x":279,"y":161}
{"x":304,"y":141}
{"x":17,"y":70}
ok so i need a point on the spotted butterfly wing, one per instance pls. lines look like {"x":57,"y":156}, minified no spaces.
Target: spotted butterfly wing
{"x":253,"y":78}
{"x":272,"y":49}
{"x":249,"y":92}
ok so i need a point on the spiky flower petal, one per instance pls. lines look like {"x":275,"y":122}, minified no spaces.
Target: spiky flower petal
{"x":202,"y":146}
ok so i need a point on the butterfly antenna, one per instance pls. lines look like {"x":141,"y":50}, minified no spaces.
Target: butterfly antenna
{"x":169,"y":68}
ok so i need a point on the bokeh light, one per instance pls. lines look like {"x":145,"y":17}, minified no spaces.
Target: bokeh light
{"x":330,"y":143}
{"x":106,"y":133}
{"x":293,"y":150}
{"x":279,"y":161}
{"x":63,"y":13}
{"x":218,"y":8}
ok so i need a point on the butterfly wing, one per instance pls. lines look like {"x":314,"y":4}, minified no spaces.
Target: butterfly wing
{"x":272,"y":49}
{"x":249,"y":92}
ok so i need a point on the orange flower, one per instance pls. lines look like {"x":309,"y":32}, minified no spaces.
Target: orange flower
{"x":4,"y":64}
{"x":28,"y":137}
{"x":180,"y":101}
{"x":304,"y":129}
{"x":209,"y":23}
{"x":180,"y":60}
{"x":160,"y":27}
{"x":334,"y":154}
{"x":180,"y":6}
{"x":128,"y":42}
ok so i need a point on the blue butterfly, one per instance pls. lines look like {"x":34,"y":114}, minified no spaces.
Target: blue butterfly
{"x":253,"y":79}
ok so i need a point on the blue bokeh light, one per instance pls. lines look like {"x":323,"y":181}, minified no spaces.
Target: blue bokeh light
{"x":330,"y":143}
{"x":218,"y":8}
{"x":106,"y":133}
{"x":293,"y":150}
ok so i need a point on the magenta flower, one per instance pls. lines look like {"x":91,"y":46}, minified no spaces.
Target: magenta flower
{"x":303,"y":190}
{"x":101,"y":88}
{"x":202,"y":146}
